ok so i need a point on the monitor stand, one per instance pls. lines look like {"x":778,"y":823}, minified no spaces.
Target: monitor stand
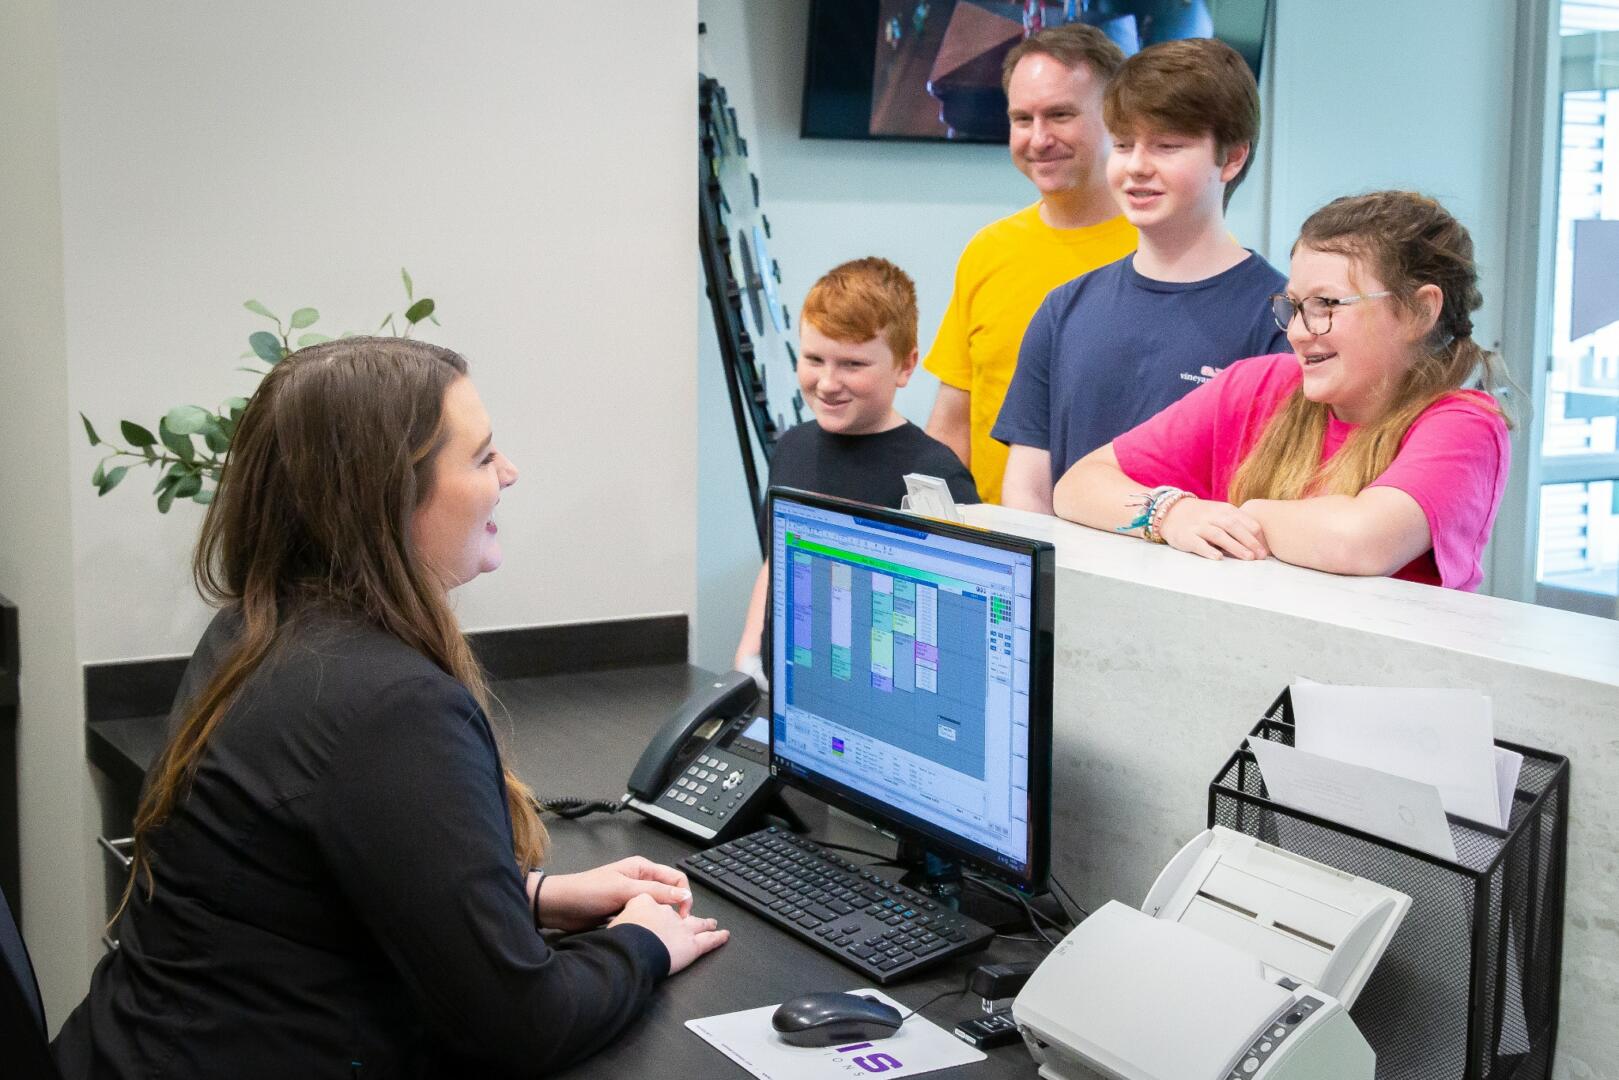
{"x":780,"y":812}
{"x":935,"y":876}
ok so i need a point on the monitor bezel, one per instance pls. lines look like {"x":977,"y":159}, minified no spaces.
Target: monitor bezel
{"x":1042,"y":654}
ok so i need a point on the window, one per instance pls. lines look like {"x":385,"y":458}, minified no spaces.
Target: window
{"x":1578,"y":559}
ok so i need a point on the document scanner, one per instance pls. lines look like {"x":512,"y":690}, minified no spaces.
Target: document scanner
{"x":1242,"y":966}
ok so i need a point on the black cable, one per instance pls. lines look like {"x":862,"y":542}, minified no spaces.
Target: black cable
{"x":1035,"y":916}
{"x":937,"y":997}
{"x":1084,"y":913}
{"x":1035,"y":925}
{"x":570,"y":807}
{"x":995,"y":888}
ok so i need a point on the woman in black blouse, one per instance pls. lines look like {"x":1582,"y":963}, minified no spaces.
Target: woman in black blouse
{"x":334,"y":874}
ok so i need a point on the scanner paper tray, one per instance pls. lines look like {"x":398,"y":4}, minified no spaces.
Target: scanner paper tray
{"x":1319,"y":925}
{"x":1155,"y":998}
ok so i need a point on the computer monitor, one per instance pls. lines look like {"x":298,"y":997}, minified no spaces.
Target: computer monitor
{"x":911,"y":678}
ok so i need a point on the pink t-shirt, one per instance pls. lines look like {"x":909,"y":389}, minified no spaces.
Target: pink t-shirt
{"x":1453,"y":461}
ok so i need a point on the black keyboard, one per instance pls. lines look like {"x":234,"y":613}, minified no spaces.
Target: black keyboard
{"x":883,"y":930}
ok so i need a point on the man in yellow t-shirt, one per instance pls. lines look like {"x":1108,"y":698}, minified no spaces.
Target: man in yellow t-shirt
{"x":1054,"y":81}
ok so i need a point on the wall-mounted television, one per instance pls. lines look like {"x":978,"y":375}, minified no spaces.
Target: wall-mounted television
{"x":931,"y":69}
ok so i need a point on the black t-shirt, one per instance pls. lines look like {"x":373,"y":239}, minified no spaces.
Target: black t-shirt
{"x":866,"y":468}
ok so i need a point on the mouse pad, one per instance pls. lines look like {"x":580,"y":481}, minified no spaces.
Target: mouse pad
{"x":918,"y":1047}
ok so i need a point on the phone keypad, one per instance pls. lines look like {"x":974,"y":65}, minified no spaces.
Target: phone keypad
{"x":697,"y":775}
{"x":692,"y":788}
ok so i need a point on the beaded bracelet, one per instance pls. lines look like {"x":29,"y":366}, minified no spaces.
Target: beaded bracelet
{"x":1154,"y":529}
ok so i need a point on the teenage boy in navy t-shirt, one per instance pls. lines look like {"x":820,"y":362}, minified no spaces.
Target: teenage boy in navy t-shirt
{"x":857,"y":347}
{"x":1112,"y":348}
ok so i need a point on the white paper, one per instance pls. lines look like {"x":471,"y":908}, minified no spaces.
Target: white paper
{"x":1404,"y":811}
{"x":920,"y":1046}
{"x":1441,"y":737}
{"x":1508,"y":763}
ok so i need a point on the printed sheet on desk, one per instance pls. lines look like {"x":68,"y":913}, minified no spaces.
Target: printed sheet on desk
{"x":919,"y":1046}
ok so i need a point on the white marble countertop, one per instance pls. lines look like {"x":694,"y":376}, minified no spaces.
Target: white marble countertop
{"x":1579,"y":646}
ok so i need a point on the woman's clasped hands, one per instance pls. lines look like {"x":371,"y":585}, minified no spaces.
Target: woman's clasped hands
{"x":637,"y":891}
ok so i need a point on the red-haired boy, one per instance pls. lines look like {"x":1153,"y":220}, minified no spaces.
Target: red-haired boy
{"x":857,"y":347}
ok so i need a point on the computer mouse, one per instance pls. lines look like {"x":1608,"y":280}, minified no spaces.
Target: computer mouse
{"x":831,"y":1019}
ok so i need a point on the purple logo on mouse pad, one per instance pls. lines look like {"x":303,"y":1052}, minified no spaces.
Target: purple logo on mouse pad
{"x":872,"y":1063}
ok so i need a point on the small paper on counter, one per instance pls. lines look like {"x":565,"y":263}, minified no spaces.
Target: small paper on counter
{"x":930,"y":496}
{"x":1393,"y":807}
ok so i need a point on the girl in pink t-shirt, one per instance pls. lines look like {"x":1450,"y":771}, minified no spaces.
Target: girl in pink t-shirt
{"x":1360,"y":453}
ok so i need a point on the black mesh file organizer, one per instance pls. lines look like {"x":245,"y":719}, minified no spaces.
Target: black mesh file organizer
{"x":1468,"y":989}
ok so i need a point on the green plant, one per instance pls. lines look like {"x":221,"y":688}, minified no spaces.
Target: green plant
{"x":190,"y":469}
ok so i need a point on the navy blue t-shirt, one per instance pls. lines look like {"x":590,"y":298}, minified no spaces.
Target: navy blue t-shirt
{"x":1112,"y":348}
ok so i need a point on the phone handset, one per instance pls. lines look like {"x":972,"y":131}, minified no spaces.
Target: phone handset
{"x":731,"y":695}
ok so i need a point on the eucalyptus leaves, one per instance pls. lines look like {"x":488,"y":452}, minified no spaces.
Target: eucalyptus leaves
{"x":190,"y":444}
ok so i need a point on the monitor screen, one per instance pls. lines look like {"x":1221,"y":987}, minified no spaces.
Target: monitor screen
{"x":911,"y":680}
{"x":931,"y":69}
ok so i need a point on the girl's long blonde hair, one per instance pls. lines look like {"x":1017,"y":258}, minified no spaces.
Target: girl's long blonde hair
{"x":330,"y":460}
{"x":1408,"y":241}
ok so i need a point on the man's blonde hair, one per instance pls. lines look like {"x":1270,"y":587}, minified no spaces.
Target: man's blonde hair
{"x":1071,"y":45}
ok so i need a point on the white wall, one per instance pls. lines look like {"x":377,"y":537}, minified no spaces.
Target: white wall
{"x":1353,"y":102}
{"x":537,"y":188}
{"x":302,"y":153}
{"x":36,"y":568}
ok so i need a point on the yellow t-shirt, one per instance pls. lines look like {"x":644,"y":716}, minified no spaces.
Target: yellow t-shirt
{"x":1004,"y":274}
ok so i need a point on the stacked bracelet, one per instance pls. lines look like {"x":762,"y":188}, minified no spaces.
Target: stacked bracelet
{"x":1154,"y":529}
{"x":1150,"y":507}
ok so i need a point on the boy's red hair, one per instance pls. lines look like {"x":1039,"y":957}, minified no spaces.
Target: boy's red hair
{"x":858,"y":300}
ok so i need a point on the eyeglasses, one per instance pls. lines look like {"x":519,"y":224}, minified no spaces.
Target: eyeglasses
{"x":1315,"y":310}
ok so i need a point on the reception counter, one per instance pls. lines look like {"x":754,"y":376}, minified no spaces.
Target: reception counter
{"x":1165,"y":660}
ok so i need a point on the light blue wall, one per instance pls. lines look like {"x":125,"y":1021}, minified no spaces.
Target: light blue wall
{"x":1374,"y":94}
{"x":1385,"y":94}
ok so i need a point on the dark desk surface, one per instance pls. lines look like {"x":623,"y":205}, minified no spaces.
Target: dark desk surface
{"x":580,"y":734}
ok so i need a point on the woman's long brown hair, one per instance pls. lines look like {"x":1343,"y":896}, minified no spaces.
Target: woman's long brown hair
{"x":1407,"y":240}
{"x":329,"y":462}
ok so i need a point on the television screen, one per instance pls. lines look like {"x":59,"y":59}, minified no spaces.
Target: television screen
{"x":931,"y":69}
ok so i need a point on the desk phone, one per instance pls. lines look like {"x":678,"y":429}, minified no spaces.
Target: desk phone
{"x":706,"y":774}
